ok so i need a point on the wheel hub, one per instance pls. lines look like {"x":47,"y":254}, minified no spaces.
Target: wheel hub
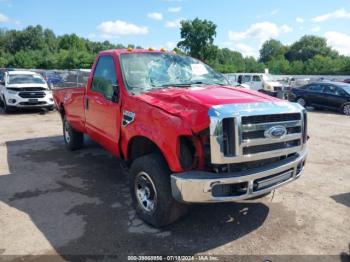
{"x":346,"y":110}
{"x":145,"y":192}
{"x":66,"y":133}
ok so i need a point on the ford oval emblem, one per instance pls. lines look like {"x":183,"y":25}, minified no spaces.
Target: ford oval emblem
{"x":275,"y":132}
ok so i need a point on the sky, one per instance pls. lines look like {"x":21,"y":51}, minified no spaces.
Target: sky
{"x":242,"y":25}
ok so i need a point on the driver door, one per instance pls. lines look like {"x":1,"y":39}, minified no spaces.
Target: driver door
{"x":102,"y":107}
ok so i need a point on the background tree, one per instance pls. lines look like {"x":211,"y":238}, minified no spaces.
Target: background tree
{"x":198,"y":37}
{"x":271,"y":49}
{"x":36,"y":47}
{"x":308,"y":47}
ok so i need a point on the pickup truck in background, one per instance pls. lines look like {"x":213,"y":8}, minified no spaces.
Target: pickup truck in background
{"x":24,"y":89}
{"x":264,"y":83}
{"x":184,"y":133}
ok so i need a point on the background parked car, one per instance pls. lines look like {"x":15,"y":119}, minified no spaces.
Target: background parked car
{"x":327,"y":95}
{"x":24,"y":89}
{"x":53,"y":78}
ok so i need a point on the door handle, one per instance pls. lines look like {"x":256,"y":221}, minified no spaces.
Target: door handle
{"x":86,"y":103}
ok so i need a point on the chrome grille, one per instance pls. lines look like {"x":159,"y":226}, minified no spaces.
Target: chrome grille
{"x":34,"y":94}
{"x":260,"y":133}
{"x":269,"y":147}
{"x":253,"y":136}
{"x":248,"y":139}
{"x":270,"y":118}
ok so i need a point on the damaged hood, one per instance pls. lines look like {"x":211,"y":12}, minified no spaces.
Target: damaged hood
{"x":192,"y":104}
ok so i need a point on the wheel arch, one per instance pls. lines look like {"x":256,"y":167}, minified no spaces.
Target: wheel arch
{"x":61,"y":111}
{"x":140,"y":146}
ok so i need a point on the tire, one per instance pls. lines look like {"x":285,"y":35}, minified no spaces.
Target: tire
{"x":149,"y":180}
{"x":8,"y":109}
{"x":73,"y":139}
{"x":51,"y":108}
{"x":346,"y":109}
{"x":301,"y":101}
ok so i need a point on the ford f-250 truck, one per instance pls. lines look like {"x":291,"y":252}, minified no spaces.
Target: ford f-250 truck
{"x":184,"y":133}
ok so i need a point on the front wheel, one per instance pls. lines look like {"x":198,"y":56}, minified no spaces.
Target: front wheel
{"x":346,"y":109}
{"x":150,"y":190}
{"x":7,"y":109}
{"x":73,"y":139}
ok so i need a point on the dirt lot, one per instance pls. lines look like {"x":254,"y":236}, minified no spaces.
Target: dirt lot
{"x":57,"y":202}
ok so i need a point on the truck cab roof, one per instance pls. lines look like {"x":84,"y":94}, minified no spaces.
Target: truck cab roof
{"x":129,"y":50}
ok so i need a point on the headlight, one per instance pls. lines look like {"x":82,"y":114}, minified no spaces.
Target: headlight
{"x":11,"y":92}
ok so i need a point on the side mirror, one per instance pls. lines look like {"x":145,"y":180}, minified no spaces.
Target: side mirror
{"x":2,"y":82}
{"x":116,"y":94}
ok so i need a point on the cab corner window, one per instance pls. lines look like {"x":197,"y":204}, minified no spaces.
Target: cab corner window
{"x":104,"y":77}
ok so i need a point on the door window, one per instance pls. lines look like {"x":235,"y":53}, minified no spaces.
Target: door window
{"x":256,"y":79}
{"x":104,"y":78}
{"x":315,"y":88}
{"x":330,"y":90}
{"x":246,"y":79}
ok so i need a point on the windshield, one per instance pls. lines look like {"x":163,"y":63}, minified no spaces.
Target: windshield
{"x":146,"y":71}
{"x":25,"y":79}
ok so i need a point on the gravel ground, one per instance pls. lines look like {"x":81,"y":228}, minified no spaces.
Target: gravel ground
{"x":54,"y":202}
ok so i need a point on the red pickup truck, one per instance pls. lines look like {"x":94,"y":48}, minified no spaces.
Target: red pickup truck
{"x":184,"y":133}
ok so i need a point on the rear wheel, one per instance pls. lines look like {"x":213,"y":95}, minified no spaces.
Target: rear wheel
{"x":73,"y":139}
{"x":301,"y":101}
{"x":150,"y":190}
{"x":346,"y":109}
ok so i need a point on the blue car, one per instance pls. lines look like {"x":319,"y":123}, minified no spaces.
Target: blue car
{"x":53,"y":78}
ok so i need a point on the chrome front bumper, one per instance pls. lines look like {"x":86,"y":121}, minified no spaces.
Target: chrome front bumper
{"x":197,"y":186}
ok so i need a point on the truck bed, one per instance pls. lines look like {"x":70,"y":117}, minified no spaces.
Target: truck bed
{"x":71,"y":101}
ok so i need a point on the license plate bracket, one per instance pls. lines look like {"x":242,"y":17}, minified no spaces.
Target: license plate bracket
{"x":32,"y":101}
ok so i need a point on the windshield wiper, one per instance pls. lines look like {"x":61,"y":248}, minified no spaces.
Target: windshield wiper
{"x":205,"y":83}
{"x":175,"y":85}
{"x":185,"y":84}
